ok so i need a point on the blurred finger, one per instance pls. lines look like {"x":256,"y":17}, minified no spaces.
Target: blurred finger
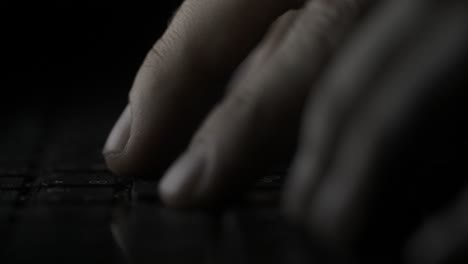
{"x":257,"y":120}
{"x":368,"y":93}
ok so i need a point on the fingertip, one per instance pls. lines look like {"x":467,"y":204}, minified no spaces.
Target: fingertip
{"x":116,"y":143}
{"x":178,"y":187}
{"x":119,"y":135}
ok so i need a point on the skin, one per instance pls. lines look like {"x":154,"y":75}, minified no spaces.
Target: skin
{"x":232,"y":85}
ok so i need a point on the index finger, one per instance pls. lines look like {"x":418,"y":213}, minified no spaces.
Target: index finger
{"x":181,"y":76}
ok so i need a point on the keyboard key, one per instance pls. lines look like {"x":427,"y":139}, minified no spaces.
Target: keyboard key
{"x":8,"y":196}
{"x":11,"y":183}
{"x":76,"y":195}
{"x":80,"y":179}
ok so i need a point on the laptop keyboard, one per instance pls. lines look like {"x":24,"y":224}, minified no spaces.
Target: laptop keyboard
{"x":58,"y":203}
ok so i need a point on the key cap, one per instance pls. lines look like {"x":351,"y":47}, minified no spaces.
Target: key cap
{"x":76,"y":195}
{"x":80,"y":179}
{"x":11,"y":183}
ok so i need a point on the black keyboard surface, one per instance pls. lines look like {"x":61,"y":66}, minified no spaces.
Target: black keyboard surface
{"x":59,"y":203}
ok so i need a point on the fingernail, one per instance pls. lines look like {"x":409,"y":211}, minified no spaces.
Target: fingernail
{"x":118,"y":137}
{"x":179,"y":185}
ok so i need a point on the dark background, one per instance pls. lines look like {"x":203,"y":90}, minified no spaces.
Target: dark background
{"x":73,"y":51}
{"x":67,"y":68}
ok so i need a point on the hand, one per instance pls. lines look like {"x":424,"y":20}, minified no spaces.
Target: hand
{"x":227,"y":86}
{"x":182,"y":94}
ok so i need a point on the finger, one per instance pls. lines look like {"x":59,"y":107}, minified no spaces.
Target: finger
{"x":257,"y":121}
{"x":369,"y":95}
{"x":443,"y":238}
{"x":342,"y":85}
{"x":182,"y":76}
